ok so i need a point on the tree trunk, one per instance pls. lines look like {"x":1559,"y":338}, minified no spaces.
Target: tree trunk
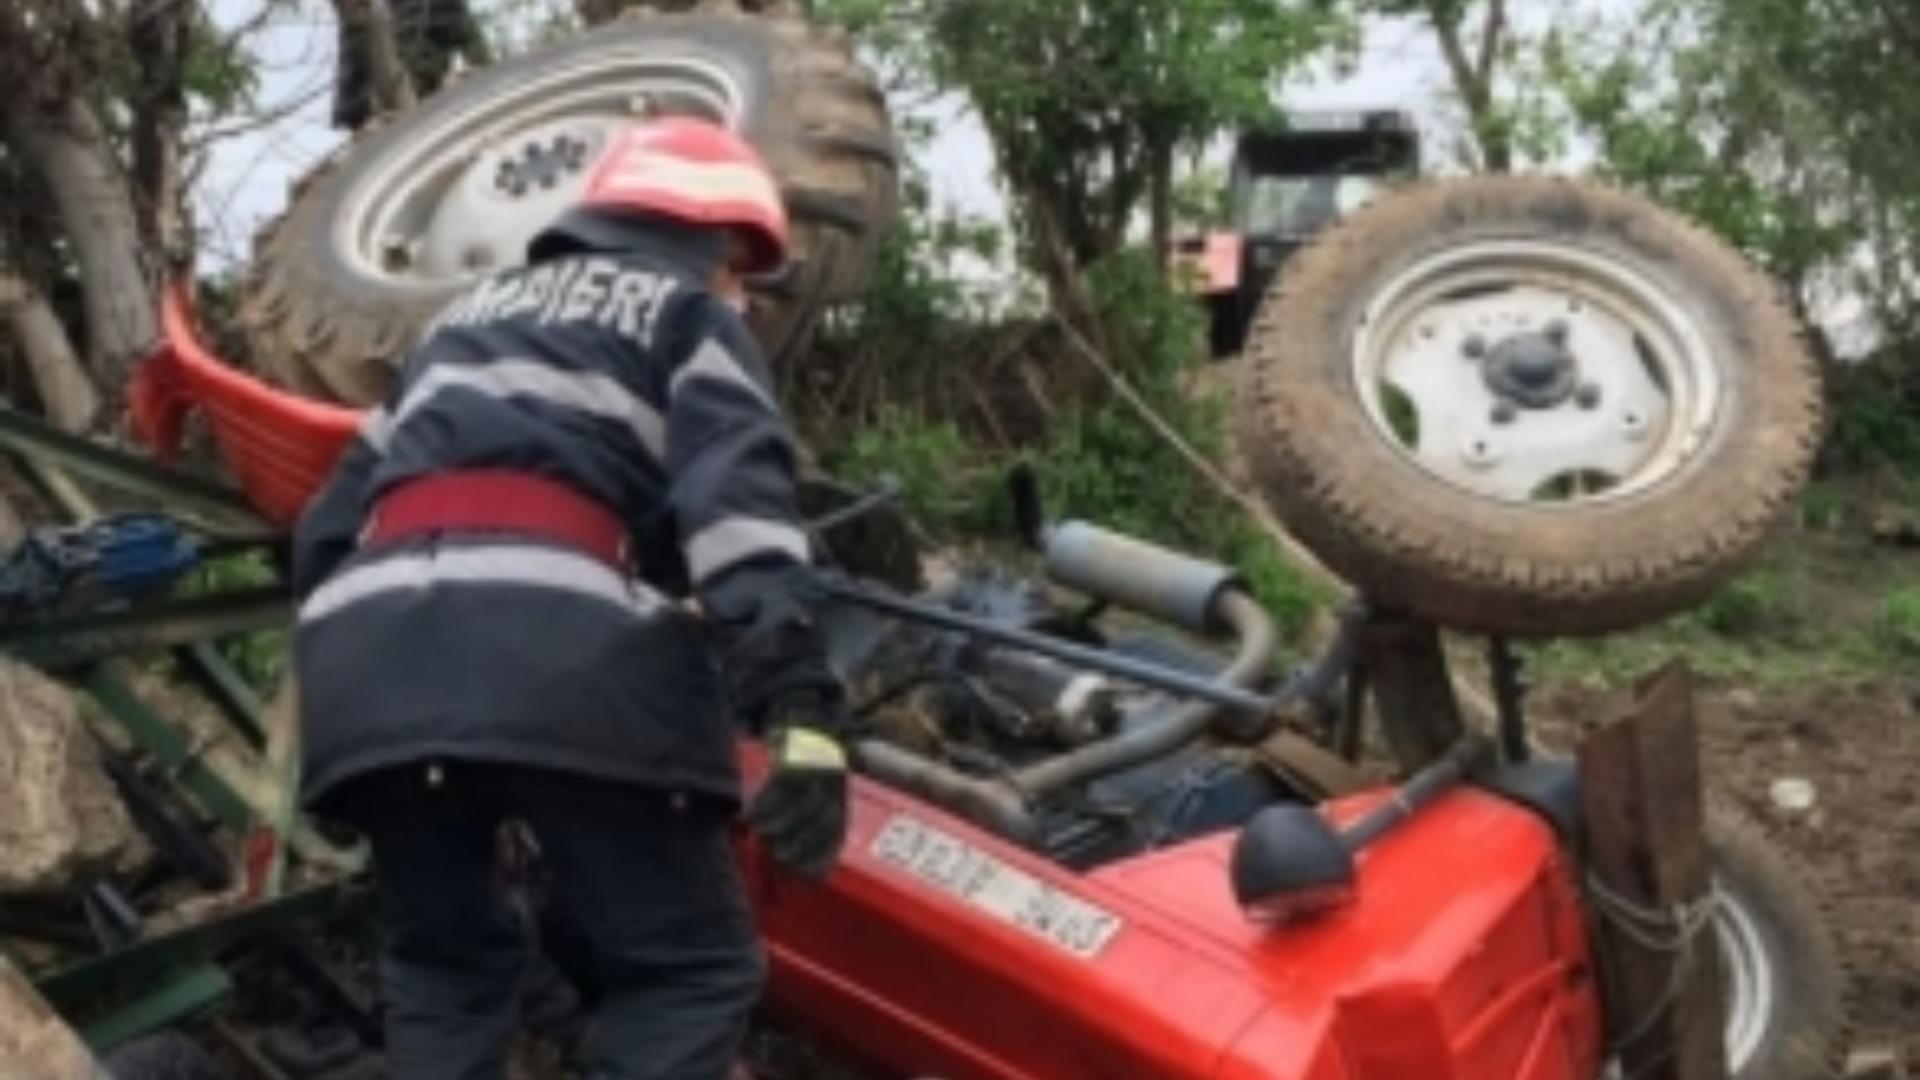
{"x":159,"y":35}
{"x":1160,"y":202}
{"x":370,"y":61}
{"x":66,"y":394}
{"x":96,"y":212}
{"x":1473,"y":78}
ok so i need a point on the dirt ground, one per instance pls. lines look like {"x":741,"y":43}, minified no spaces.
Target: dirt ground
{"x":1859,"y":748}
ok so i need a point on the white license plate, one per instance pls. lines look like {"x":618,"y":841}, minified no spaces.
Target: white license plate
{"x":1000,"y":889}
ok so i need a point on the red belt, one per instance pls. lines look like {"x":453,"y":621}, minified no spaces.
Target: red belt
{"x":500,"y":500}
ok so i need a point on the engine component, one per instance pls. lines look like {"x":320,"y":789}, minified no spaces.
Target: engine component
{"x":119,"y":557}
{"x":1048,"y":700}
{"x":1135,"y":574}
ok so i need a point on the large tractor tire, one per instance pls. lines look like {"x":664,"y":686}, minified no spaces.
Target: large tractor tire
{"x":380,"y":237}
{"x":1528,"y":406}
{"x":1786,"y":986}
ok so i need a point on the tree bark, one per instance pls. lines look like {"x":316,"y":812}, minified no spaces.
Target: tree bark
{"x":367,"y":28}
{"x":66,"y":394}
{"x":69,"y":148}
{"x":158,"y":32}
{"x":1160,"y":202}
{"x":1473,"y":78}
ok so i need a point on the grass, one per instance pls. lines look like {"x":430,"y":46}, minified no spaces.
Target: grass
{"x":1823,"y":605}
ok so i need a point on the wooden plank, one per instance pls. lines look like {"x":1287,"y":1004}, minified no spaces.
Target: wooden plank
{"x":1640,"y":785}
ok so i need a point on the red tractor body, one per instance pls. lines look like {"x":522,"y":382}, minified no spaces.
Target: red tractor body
{"x":938,"y":949}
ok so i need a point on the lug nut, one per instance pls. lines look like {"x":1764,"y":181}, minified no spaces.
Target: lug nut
{"x":1474,"y":347}
{"x":1587,"y":396}
{"x":396,"y":253}
{"x":1504,"y":412}
{"x":1557,"y":331}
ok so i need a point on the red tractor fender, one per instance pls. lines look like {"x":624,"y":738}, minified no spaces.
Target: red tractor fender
{"x":280,"y":446}
{"x":938,"y":949}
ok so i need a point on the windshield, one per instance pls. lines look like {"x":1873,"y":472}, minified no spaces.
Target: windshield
{"x":1299,"y":205}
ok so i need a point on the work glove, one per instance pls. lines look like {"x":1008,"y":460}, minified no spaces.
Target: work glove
{"x":801,"y":811}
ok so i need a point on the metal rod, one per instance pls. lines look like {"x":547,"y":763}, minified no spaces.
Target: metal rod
{"x":1467,"y":754}
{"x":1251,"y":662}
{"x":39,"y":441}
{"x":1144,"y":672}
{"x":80,"y":639}
{"x":1507,"y":692}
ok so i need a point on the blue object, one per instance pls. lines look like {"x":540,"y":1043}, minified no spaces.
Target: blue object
{"x":120,"y":557}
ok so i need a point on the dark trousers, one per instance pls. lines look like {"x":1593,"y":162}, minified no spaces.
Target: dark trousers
{"x":648,"y":880}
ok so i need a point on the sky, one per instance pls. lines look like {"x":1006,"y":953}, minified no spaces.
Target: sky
{"x":248,"y":174}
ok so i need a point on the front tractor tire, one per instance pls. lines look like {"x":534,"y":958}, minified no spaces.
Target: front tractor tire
{"x":384,"y":234}
{"x":1528,"y":406}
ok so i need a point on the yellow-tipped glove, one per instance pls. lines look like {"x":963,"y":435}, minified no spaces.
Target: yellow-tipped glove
{"x":801,"y":811}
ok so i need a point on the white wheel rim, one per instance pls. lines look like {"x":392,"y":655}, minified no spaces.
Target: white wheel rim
{"x":1747,"y":978}
{"x":1545,"y":374}
{"x":465,"y":197}
{"x":1747,"y":982}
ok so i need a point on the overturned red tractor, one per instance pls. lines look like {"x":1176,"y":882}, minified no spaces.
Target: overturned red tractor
{"x":1127,"y":847}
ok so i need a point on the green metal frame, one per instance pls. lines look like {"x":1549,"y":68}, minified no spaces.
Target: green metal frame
{"x":62,"y":644}
{"x":181,"y":997}
{"x":220,"y":509}
{"x":169,"y":977}
{"x":99,"y":978}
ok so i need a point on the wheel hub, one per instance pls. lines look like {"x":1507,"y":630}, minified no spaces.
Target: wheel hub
{"x":1534,"y":370}
{"x":479,"y":183}
{"x":1530,"y":373}
{"x":542,"y":164}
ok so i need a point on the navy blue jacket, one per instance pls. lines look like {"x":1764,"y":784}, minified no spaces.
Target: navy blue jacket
{"x":621,"y":375}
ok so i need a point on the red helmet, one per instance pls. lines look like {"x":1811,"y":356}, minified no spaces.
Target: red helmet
{"x":696,"y":173}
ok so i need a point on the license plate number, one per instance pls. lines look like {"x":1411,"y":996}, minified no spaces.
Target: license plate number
{"x":987,"y":883}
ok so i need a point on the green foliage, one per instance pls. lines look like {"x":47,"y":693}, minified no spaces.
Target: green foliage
{"x":260,"y":657}
{"x":217,"y":69}
{"x":1783,"y":125}
{"x":1897,"y":625}
{"x":1877,"y":415}
{"x":1755,"y":604}
{"x":949,"y":483}
{"x":1823,"y":508}
{"x":1106,"y":464}
{"x":1087,"y":104}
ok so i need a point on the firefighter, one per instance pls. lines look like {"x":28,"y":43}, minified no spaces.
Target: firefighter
{"x":540,"y":583}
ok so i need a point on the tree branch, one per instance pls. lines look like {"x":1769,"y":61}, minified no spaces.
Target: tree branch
{"x":1471,"y":82}
{"x":97,"y":217}
{"x":1491,"y":31}
{"x":369,"y":46}
{"x":66,"y":394}
{"x":158,"y":33}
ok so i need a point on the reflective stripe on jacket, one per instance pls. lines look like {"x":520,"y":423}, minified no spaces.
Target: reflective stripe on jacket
{"x":621,"y":376}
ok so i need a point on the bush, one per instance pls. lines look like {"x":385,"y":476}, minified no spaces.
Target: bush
{"x":1752,"y":605}
{"x":1876,"y":415}
{"x":948,"y":483}
{"x":1898,"y":623}
{"x":1106,"y":464}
